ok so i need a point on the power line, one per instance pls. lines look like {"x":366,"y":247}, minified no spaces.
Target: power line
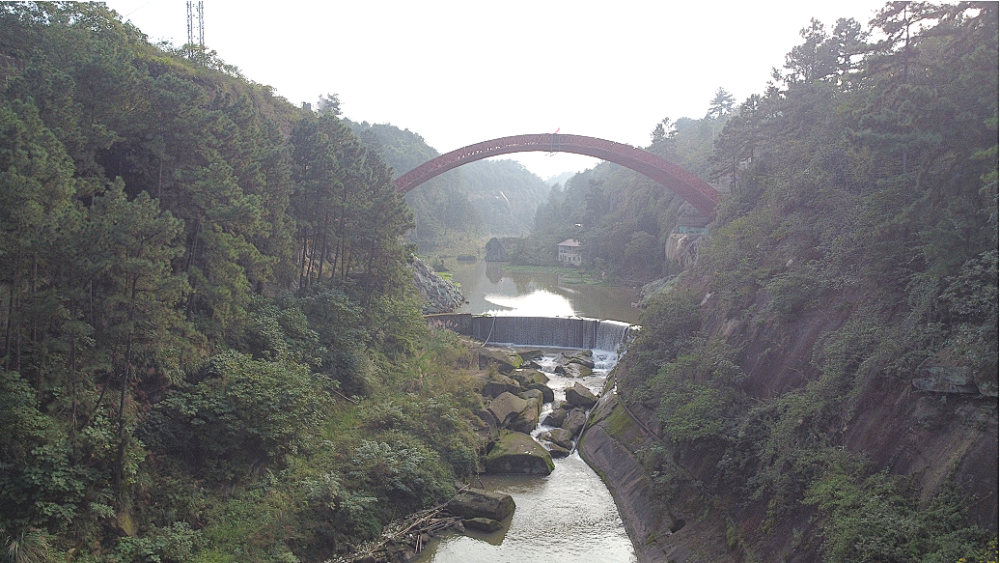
{"x":137,"y":9}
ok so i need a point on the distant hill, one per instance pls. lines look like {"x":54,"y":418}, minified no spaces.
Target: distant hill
{"x":484,"y":198}
{"x":560,"y":179}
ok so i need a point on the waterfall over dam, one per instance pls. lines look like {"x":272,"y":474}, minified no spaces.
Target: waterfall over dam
{"x":544,"y":332}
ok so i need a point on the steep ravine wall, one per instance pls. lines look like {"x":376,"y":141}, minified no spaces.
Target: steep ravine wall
{"x":659,"y":533}
{"x":938,"y":439}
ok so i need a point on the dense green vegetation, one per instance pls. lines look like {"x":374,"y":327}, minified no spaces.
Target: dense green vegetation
{"x":208,"y":351}
{"x":460,"y":209}
{"x":856,"y":252}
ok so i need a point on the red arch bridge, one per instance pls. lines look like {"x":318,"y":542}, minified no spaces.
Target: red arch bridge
{"x":698,"y":193}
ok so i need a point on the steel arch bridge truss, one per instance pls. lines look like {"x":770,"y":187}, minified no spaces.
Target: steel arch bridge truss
{"x":692,"y":189}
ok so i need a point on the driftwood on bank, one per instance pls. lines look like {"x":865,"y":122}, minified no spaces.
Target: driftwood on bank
{"x":400,"y":540}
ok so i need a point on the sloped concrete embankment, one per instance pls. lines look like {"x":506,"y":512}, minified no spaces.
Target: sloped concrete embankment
{"x":659,"y":533}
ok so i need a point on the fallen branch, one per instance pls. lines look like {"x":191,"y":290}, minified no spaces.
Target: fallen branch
{"x":419,"y":523}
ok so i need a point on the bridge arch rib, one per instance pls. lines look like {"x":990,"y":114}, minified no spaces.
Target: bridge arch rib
{"x":692,"y":189}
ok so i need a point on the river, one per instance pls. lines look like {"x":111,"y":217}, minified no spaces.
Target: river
{"x":569,"y":515}
{"x":494,"y":288}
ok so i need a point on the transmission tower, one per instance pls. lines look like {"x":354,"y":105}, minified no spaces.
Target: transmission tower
{"x":191,"y":26}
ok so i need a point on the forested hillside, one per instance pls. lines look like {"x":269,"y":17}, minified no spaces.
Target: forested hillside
{"x":462,"y":206}
{"x":622,"y":218}
{"x":208,"y":349}
{"x":824,"y":380}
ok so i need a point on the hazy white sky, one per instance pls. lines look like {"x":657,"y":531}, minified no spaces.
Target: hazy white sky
{"x":460,"y":72}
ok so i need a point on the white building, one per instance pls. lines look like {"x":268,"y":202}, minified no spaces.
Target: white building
{"x":569,"y":252}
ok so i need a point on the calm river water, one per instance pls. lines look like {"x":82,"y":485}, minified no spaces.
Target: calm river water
{"x":491,"y":288}
{"x":569,"y":515}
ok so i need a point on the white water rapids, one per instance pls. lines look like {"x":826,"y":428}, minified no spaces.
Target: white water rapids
{"x":566,"y":517}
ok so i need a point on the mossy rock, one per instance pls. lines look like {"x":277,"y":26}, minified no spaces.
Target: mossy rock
{"x":515,"y":413}
{"x":547,"y":394}
{"x":504,"y":362}
{"x":556,"y":418}
{"x":574,"y":370}
{"x":477,"y":503}
{"x":575,"y":421}
{"x":580,"y":396}
{"x":527,"y":377}
{"x":517,"y":452}
{"x":532,"y":354}
{"x":557,"y":451}
{"x":499,"y":384}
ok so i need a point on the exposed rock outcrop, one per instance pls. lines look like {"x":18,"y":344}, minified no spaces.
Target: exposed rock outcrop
{"x":556,"y":418}
{"x":439,"y":294}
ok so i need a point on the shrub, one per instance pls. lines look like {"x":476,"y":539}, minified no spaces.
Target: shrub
{"x":245,"y":412}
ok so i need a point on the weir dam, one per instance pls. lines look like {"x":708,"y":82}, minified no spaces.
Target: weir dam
{"x":543,"y":332}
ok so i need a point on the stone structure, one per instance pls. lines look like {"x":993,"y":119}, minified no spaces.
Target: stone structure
{"x":495,"y":252}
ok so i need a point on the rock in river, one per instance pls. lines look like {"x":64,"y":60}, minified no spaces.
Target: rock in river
{"x":516,"y":452}
{"x":515,"y":413}
{"x":580,"y":396}
{"x":575,"y":421}
{"x":559,"y":436}
{"x":477,"y":503}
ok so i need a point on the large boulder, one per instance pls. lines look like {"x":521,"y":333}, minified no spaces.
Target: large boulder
{"x":560,"y":437}
{"x":531,"y":354}
{"x":515,"y":413}
{"x":534,"y":379}
{"x":517,"y":452}
{"x":556,"y":418}
{"x":498,"y":384}
{"x":495,"y":252}
{"x":485,"y":426}
{"x":575,"y":421}
{"x":533,"y":395}
{"x":477,"y":503}
{"x":547,"y":394}
{"x":580,"y":396}
{"x":574,"y":370}
{"x":556,"y":451}
{"x":581,"y":357}
{"x":526,"y":377}
{"x":504,"y":362}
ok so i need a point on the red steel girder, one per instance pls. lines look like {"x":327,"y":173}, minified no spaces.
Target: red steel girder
{"x":692,"y":189}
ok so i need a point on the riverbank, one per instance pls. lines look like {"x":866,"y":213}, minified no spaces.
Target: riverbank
{"x":611,"y":444}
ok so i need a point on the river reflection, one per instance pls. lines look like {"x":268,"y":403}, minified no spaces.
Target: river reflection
{"x":491,"y":288}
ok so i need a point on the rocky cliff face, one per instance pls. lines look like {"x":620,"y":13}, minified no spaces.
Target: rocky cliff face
{"x":679,"y":503}
{"x":439,"y":294}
